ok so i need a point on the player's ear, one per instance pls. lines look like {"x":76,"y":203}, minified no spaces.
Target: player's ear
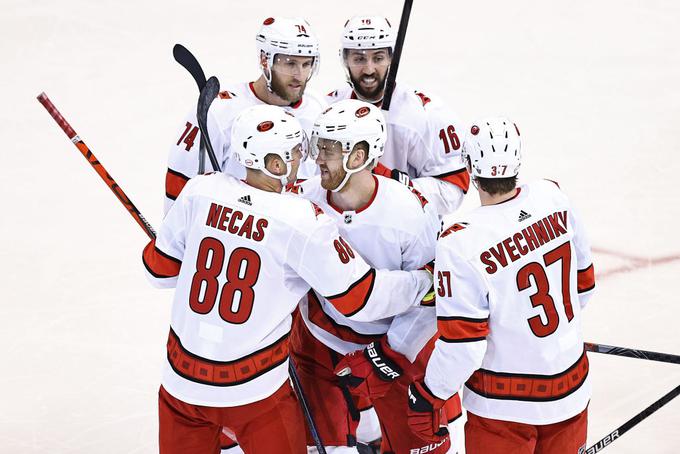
{"x":357,"y":157}
{"x":263,"y":60}
{"x":274,"y":164}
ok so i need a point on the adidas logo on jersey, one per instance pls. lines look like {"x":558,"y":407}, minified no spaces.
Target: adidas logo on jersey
{"x":523,"y":216}
{"x":245,"y":199}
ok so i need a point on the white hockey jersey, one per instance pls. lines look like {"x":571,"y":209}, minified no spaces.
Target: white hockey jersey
{"x":396,"y":230}
{"x":512,"y":280}
{"x":424,"y":140}
{"x":241,"y":259}
{"x":183,"y":156}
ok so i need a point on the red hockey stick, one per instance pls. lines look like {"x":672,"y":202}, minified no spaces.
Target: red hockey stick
{"x":96,"y":165}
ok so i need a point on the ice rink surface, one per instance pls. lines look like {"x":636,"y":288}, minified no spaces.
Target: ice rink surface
{"x":593,"y":86}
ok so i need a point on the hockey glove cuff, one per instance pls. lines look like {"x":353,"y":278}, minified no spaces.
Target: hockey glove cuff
{"x":426,"y":417}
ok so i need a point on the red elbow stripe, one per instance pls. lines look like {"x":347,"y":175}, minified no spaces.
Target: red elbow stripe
{"x":174,"y":183}
{"x":356,"y":296}
{"x":462,"y":329}
{"x":159,"y":264}
{"x":586,"y":279}
{"x":460,"y":178}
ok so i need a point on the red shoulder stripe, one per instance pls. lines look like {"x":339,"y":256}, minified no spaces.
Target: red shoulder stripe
{"x":454,"y":228}
{"x":356,"y":296}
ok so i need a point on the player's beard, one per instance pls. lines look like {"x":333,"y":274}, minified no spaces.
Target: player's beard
{"x":280,"y":89}
{"x":334,"y":179}
{"x":374,"y":94}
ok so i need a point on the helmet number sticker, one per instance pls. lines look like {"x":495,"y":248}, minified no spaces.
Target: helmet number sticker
{"x":498,"y":170}
{"x":301,"y":28}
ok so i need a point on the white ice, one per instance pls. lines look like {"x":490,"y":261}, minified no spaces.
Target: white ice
{"x":593,"y":86}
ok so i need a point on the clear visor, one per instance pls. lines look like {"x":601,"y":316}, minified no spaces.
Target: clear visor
{"x":290,"y":65}
{"x":299,"y":151}
{"x":360,"y":58}
{"x":325,"y":149}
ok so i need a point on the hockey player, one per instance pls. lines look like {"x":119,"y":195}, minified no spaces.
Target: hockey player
{"x":241,"y":255}
{"x":512,"y":279}
{"x":423,"y":144}
{"x":288,"y":52}
{"x":392,"y":226}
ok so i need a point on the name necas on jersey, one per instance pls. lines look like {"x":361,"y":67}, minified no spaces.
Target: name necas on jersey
{"x":183,"y":156}
{"x":241,"y":259}
{"x":511,"y":281}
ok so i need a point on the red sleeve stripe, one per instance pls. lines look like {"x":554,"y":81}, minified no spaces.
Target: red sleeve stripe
{"x":586,"y":279}
{"x":174,"y":183}
{"x":356,"y":296}
{"x":159,"y":264}
{"x":462,"y":329}
{"x":460,"y":178}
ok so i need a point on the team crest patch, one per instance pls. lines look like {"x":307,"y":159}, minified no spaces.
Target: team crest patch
{"x":265,"y":126}
{"x":362,"y":111}
{"x":268,"y":21}
{"x":474,"y":130}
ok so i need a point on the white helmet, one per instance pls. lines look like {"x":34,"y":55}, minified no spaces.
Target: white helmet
{"x":492,"y":148}
{"x":368,"y":32}
{"x":349,"y":122}
{"x":287,"y":36}
{"x":264,"y":129}
{"x":365,"y":33}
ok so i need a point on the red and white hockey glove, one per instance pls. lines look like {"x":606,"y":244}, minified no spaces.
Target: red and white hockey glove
{"x":426,"y":417}
{"x":370,"y":372}
{"x":401,"y":177}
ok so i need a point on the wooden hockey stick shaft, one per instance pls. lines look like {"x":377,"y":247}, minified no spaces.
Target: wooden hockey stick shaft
{"x":632,"y":353}
{"x":96,"y":165}
{"x":396,"y":56}
{"x":632,"y":422}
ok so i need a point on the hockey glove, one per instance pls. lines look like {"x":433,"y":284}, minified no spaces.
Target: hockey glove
{"x":425,"y":415}
{"x":370,"y":372}
{"x":401,"y":177}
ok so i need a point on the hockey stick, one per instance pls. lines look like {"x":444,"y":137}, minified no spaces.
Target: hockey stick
{"x":187,"y":60}
{"x":208,"y":94}
{"x":632,"y":422}
{"x":96,"y":165}
{"x":305,"y":407}
{"x":394,"y":65}
{"x":632,"y":353}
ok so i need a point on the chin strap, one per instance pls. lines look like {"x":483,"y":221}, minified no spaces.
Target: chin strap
{"x":349,"y":172}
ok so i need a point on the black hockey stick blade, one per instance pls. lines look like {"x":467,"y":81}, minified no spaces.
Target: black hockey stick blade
{"x":205,"y":99}
{"x":297,"y":386}
{"x":396,"y":57}
{"x":632,"y":422}
{"x":632,"y":353}
{"x":189,"y":62}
